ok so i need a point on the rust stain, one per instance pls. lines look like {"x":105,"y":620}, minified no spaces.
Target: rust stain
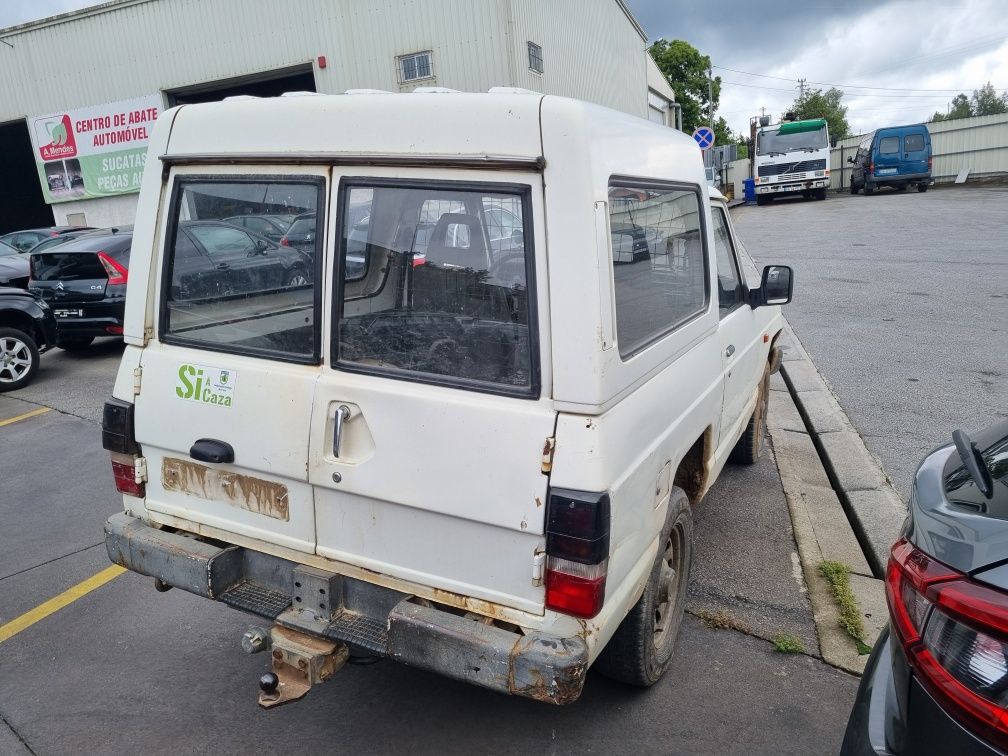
{"x":538,"y":501}
{"x":486,"y":608}
{"x":244,"y":491}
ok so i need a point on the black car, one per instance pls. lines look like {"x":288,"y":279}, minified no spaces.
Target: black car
{"x":84,"y":281}
{"x":27,"y":238}
{"x":13,"y":267}
{"x":27,"y":328}
{"x":54,"y":241}
{"x":301,"y":234}
{"x":937,"y":680}
{"x":214,"y":258}
{"x":270,"y":226}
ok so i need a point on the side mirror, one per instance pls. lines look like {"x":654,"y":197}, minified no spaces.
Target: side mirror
{"x":851,"y":160}
{"x":775,"y":288}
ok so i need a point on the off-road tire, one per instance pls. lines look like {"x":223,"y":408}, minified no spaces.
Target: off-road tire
{"x":21,"y":346}
{"x":637,"y":654}
{"x":74,"y":343}
{"x":750,"y":444}
{"x":922,"y":187}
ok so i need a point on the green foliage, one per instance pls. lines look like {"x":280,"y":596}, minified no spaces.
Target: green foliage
{"x":985,"y":101}
{"x":818,"y":104}
{"x":789,"y":643}
{"x":838,"y":576}
{"x":686,"y":70}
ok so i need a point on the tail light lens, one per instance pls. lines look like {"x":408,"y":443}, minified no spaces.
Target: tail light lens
{"x":118,"y":438}
{"x":955,"y":633}
{"x":577,"y":552}
{"x":871,"y":167}
{"x":284,"y":241}
{"x":116,"y":271}
{"x":930,"y":159}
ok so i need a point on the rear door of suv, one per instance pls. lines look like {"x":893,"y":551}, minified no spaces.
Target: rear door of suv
{"x":228,"y":381}
{"x":433,"y":409}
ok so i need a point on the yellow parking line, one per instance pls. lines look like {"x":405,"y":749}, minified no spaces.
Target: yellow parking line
{"x":56,"y":603}
{"x":25,"y":416}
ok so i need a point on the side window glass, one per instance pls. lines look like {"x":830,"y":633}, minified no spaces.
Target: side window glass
{"x":913,"y":142}
{"x":229,"y":290}
{"x":888,"y":145}
{"x":440,"y":301}
{"x":729,"y":284}
{"x":659,"y":261}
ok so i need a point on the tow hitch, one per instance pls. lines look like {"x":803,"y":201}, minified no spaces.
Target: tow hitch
{"x":299,"y":661}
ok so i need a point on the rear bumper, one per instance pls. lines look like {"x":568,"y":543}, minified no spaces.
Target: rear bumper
{"x":369,"y":618}
{"x":900,"y":178}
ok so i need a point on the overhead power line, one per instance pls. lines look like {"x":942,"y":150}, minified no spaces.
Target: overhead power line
{"x":851,"y":94}
{"x":952,"y":90}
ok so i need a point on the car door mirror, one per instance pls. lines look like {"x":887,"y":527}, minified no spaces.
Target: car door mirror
{"x":775,"y":288}
{"x":851,"y":160}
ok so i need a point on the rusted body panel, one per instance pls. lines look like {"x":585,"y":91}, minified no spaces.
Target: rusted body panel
{"x":245,"y":491}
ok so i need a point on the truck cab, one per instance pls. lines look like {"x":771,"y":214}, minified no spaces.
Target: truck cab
{"x":792,"y":158}
{"x":469,"y":436}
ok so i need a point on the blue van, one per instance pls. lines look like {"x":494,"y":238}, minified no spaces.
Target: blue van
{"x":896,"y":156}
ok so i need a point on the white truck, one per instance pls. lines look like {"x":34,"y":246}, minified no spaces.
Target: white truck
{"x":468,"y":434}
{"x":791,"y":157}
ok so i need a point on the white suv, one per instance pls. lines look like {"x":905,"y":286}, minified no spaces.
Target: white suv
{"x":475,"y":450}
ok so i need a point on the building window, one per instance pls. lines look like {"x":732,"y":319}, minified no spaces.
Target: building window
{"x":415,"y":66}
{"x":535,"y":57}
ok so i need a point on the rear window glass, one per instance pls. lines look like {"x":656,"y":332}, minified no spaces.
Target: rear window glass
{"x":436,"y":285}
{"x":230,"y":289}
{"x":73,"y":266}
{"x":659,"y":262}
{"x":888,"y":145}
{"x":913,"y":142}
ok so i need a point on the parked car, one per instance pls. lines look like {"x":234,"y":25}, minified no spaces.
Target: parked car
{"x":897,"y":156}
{"x":29,"y":237}
{"x":937,"y":679}
{"x":213,"y":259}
{"x":301,"y":234}
{"x":84,"y":281}
{"x":13,"y":267}
{"x":27,"y":328}
{"x":271,"y":227}
{"x":481,"y":464}
{"x":52,"y":241}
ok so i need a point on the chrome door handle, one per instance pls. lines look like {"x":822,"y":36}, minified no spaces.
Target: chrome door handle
{"x":730,"y":350}
{"x":342,"y":415}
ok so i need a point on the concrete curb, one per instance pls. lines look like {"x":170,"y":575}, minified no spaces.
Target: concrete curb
{"x":822,"y":533}
{"x":875,"y":511}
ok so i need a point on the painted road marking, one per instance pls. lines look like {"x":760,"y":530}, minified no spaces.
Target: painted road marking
{"x":25,"y":416}
{"x":56,"y":603}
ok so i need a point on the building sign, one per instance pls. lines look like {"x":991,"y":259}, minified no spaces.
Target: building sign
{"x":93,"y":152}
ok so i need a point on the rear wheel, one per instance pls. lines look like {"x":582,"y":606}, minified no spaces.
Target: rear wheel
{"x":922,"y":186}
{"x":749,"y":446}
{"x":74,"y":343}
{"x":641,"y":649}
{"x":853,"y":187}
{"x":820,"y":194}
{"x":297,"y":278}
{"x":19,"y":359}
{"x":869,"y":188}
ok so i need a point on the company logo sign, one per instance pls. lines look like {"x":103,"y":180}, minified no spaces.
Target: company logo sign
{"x":59,"y":131}
{"x":205,"y":384}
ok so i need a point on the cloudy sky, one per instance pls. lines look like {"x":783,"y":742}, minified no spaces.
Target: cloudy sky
{"x":896,"y":60}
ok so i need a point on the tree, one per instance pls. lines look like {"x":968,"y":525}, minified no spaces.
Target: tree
{"x":960,"y":107}
{"x":818,"y":104}
{"x":686,"y":70}
{"x":986,"y":101}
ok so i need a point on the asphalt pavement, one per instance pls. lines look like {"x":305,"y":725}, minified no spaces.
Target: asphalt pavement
{"x":123,"y":668}
{"x":901,"y":299}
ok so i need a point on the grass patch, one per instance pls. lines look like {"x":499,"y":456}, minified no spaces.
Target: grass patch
{"x":838,"y":576}
{"x":788,"y":643}
{"x":721,"y":620}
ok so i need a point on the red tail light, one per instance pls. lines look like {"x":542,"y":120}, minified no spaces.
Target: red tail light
{"x":284,"y":241}
{"x":871,"y":167}
{"x":930,"y":159}
{"x":955,"y":633}
{"x":117,"y":330}
{"x":118,"y":438}
{"x":124,"y":472}
{"x":117,"y":273}
{"x":577,"y":552}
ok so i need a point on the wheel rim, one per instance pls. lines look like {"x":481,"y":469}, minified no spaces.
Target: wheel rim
{"x":15,"y":359}
{"x":298,"y":279}
{"x":671,"y":571}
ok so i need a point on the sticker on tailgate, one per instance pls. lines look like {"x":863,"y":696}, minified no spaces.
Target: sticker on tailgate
{"x":205,"y":384}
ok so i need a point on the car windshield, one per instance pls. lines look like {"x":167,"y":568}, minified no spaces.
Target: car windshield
{"x":772,"y":142}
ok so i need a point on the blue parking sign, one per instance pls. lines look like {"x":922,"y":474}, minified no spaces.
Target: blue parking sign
{"x":704,"y":137}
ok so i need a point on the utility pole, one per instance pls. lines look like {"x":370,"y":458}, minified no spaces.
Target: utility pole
{"x":801,"y":90}
{"x":710,"y":96}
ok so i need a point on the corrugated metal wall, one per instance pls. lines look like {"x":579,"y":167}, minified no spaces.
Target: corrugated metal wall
{"x":591,"y":51}
{"x":591,"y":48}
{"x":978,"y":144}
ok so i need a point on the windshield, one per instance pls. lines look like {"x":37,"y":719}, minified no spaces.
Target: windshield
{"x":771,"y":142}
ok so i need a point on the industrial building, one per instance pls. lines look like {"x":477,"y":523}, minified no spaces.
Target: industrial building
{"x":78,"y":91}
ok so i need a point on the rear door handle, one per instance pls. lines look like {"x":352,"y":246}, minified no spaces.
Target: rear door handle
{"x":212,"y":450}
{"x":342,"y":415}
{"x":730,"y":350}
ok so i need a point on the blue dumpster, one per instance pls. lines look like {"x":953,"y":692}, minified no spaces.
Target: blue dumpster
{"x":749,"y":190}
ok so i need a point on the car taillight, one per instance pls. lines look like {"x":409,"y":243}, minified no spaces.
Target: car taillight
{"x":871,"y":167}
{"x":955,"y":633}
{"x":284,"y":241}
{"x":117,"y":273}
{"x":929,"y":162}
{"x":118,"y":438}
{"x":577,"y":551}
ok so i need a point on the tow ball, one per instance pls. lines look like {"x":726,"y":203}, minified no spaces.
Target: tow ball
{"x":299,"y":661}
